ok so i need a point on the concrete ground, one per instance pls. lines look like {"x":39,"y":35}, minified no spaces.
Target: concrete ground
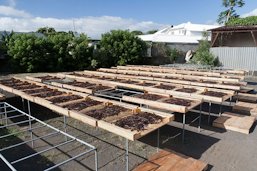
{"x":222,"y":150}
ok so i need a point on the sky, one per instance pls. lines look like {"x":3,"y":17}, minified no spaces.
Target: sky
{"x":95,"y":17}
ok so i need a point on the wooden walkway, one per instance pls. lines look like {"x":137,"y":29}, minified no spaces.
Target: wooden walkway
{"x":234,"y":122}
{"x":167,"y":161}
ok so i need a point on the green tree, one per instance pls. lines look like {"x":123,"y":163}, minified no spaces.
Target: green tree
{"x":230,"y":11}
{"x":46,"y":30}
{"x":120,"y":47}
{"x":29,"y":53}
{"x":59,"y":51}
{"x":247,"y":21}
{"x":203,"y":56}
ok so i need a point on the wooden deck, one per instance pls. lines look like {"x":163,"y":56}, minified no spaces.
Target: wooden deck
{"x":167,"y":161}
{"x":246,"y":97}
{"x":234,"y":122}
{"x":246,"y":108}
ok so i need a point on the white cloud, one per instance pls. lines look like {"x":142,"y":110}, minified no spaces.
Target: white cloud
{"x":251,"y":13}
{"x":92,"y":26}
{"x":12,"y":12}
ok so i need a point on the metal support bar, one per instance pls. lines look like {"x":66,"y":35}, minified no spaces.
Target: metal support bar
{"x":183,"y":128}
{"x":209,"y":117}
{"x":10,"y":111}
{"x":23,"y":104}
{"x":30,"y":125}
{"x":7,"y":163}
{"x":90,"y":147}
{"x":4,"y":136}
{"x":17,"y":123}
{"x":24,"y":142}
{"x":158,"y":139}
{"x":70,"y":159}
{"x":127,"y":155}
{"x":64,"y":126}
{"x":220,"y":109}
{"x":24,"y":158}
{"x":5,"y":114}
{"x":200,"y":117}
{"x":11,"y":117}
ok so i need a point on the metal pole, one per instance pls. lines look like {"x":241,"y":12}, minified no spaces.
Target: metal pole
{"x":220,"y":109}
{"x":209,"y":117}
{"x":158,"y":139}
{"x":200,"y":117}
{"x":23,"y":104}
{"x":127,"y":155}
{"x":5,"y":114}
{"x":96,"y":160}
{"x":30,"y":126}
{"x":183,"y":131}
{"x":64,"y":126}
{"x":1,"y":114}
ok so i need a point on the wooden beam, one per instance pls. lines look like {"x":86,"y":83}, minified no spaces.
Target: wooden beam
{"x":254,"y":39}
{"x":215,"y":38}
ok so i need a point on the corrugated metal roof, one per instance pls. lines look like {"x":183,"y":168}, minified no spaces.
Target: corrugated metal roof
{"x":235,"y":28}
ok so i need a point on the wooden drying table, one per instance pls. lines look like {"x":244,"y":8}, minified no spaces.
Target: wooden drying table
{"x":106,"y":124}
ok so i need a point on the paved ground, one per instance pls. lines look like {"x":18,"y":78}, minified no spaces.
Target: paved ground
{"x":222,"y":150}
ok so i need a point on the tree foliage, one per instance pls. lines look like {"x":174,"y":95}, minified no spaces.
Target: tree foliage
{"x":247,"y":21}
{"x":230,"y":12}
{"x":203,"y":56}
{"x":58,"y":51}
{"x":120,"y":47}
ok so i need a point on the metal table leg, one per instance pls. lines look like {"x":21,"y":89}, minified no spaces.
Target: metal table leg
{"x":158,"y":139}
{"x":96,"y":160}
{"x":30,"y":125}
{"x":183,"y":131}
{"x":127,"y":155}
{"x":220,"y":109}
{"x":23,"y":104}
{"x":5,"y":114}
{"x":64,"y":126}
{"x":209,"y":117}
{"x":200,"y":117}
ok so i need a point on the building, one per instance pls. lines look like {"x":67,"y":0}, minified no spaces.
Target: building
{"x":184,"y":36}
{"x":235,"y":46}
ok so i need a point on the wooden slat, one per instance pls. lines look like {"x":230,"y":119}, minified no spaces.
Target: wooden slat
{"x":167,"y":161}
{"x":104,"y":124}
{"x":145,"y":73}
{"x":246,"y":97}
{"x":234,"y":122}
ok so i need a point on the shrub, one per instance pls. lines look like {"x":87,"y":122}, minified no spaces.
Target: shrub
{"x":121,"y":48}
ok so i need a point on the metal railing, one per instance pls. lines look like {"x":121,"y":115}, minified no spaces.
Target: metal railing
{"x":7,"y":115}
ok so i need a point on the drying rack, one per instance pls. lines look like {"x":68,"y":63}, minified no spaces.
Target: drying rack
{"x":9,"y":112}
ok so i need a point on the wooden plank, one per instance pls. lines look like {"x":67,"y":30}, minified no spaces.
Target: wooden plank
{"x":246,"y":97}
{"x":164,"y":160}
{"x":176,"y":81}
{"x":246,"y":89}
{"x":168,"y":70}
{"x":234,"y":122}
{"x":145,"y":73}
{"x":246,"y":108}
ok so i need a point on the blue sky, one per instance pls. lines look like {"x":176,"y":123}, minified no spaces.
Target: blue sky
{"x":97,"y":16}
